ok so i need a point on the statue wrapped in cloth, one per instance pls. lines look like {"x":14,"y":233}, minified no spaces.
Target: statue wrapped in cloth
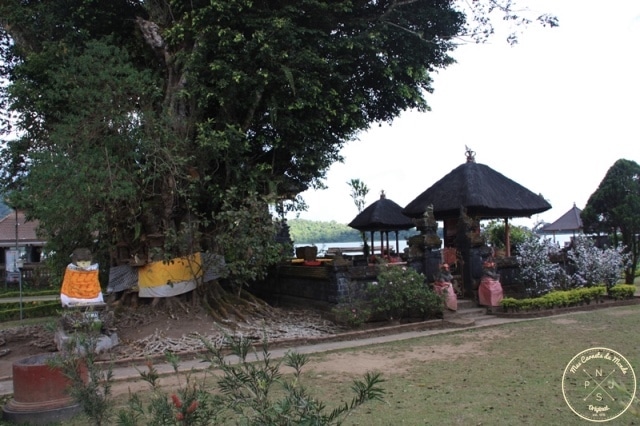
{"x":490,"y":290}
{"x":80,"y":286}
{"x":444,"y":286}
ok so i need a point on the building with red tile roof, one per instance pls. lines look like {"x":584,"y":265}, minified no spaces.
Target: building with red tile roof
{"x":16,"y":231}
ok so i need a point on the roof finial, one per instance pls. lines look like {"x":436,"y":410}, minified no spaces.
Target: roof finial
{"x":471,"y":155}
{"x":382,"y":195}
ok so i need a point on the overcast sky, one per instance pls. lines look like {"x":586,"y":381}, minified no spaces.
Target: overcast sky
{"x":552,"y":113}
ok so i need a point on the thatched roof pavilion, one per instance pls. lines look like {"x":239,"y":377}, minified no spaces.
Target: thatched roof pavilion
{"x":481,"y":191}
{"x":382,"y":216}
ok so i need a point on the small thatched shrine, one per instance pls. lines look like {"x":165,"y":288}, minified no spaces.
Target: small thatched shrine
{"x":382,"y":216}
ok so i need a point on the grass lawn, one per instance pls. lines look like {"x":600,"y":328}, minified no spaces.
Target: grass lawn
{"x":507,"y":375}
{"x":503,"y":375}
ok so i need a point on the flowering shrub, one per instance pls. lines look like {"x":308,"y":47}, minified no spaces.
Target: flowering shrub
{"x":539,"y":274}
{"x":596,"y":266}
{"x":402,"y":292}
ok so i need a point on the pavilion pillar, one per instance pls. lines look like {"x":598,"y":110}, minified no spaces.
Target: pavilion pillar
{"x":507,"y":237}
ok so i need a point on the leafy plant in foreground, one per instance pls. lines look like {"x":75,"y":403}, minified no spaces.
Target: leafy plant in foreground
{"x":244,"y":392}
{"x":191,"y":404}
{"x":93,"y":390}
{"x":247,"y":387}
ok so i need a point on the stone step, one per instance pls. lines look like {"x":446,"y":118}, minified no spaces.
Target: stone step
{"x":472,"y":312}
{"x":468,"y":311}
{"x":466,"y":304}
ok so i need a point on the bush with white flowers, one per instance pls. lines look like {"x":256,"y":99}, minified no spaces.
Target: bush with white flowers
{"x":538,"y":273}
{"x":594,"y":265}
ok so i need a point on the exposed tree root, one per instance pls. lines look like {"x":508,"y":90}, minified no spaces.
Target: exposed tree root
{"x":222,"y":305}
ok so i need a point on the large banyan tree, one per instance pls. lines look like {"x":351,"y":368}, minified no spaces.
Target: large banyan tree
{"x":181,"y":121}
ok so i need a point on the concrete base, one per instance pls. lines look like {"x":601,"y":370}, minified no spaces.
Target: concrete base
{"x":18,"y":413}
{"x":104,"y":343}
{"x":40,"y":392}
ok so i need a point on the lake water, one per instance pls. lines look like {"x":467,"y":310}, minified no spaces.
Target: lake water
{"x":323,"y":247}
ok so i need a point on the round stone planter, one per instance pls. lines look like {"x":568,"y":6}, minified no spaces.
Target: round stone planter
{"x":39,"y":393}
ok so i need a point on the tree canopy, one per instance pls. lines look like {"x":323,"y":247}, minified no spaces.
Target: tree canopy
{"x":161,"y":117}
{"x":613,"y":208}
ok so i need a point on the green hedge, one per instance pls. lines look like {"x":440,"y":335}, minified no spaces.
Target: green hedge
{"x":16,"y":293}
{"x":11,"y":311}
{"x":555,"y":299}
{"x":622,"y":291}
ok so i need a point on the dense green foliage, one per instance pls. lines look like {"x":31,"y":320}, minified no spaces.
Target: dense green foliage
{"x":622,"y":291}
{"x":138,"y":119}
{"x":401,"y":292}
{"x":614,"y":208}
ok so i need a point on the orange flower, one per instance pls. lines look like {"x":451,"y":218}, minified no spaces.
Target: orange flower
{"x":176,"y":401}
{"x":192,"y":407}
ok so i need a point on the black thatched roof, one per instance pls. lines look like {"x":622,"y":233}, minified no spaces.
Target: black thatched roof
{"x":484,"y":192}
{"x":569,"y":222}
{"x":383,"y":215}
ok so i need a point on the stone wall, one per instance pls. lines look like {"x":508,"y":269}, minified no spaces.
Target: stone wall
{"x":318,"y":286}
{"x":324,"y":286}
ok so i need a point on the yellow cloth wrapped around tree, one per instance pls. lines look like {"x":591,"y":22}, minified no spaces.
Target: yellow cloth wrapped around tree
{"x":80,"y":286}
{"x":168,"y":279}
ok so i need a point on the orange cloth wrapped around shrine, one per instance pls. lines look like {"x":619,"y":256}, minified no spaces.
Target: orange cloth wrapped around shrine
{"x":80,"y":286}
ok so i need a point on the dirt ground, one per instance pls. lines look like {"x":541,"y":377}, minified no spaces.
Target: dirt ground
{"x":148,"y":331}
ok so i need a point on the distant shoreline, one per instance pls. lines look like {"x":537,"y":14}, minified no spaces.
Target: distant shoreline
{"x":323,"y":247}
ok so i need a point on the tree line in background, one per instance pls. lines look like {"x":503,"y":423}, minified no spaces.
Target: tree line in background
{"x":305,"y":231}
{"x":312,"y":232}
